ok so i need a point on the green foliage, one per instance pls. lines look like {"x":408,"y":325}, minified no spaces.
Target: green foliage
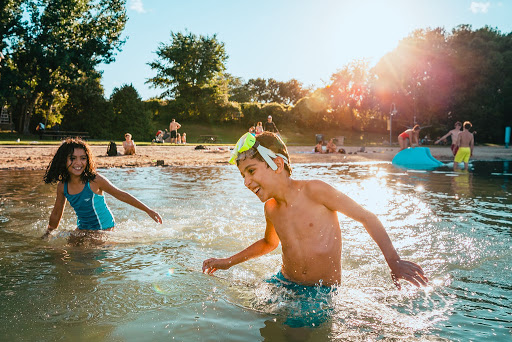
{"x":436,"y":78}
{"x":189,"y":70}
{"x":50,"y":43}
{"x":86,"y":110}
{"x":130,"y":115}
{"x":267,"y":91}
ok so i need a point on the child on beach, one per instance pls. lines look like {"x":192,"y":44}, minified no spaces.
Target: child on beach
{"x":465,"y":143}
{"x":128,"y":144}
{"x":412,"y":134}
{"x":74,"y":169}
{"x":454,"y":133}
{"x":302,"y":215}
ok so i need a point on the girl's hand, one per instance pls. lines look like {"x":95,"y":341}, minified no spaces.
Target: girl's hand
{"x":47,"y":234}
{"x":213,"y":264}
{"x":155,"y":216}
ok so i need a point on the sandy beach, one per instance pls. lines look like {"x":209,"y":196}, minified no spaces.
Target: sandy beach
{"x":34,"y":157}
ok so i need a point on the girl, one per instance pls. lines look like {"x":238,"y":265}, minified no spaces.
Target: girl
{"x":259,"y":128}
{"x":184,"y":138}
{"x":128,"y":144}
{"x":411,"y":134}
{"x":74,"y":169}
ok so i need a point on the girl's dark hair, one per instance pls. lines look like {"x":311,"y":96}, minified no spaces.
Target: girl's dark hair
{"x":273,"y":142}
{"x":57,"y":171}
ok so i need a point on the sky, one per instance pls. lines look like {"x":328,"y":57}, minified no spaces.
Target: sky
{"x":308,"y":40}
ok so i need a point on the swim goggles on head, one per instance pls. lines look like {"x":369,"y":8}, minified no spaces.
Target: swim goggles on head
{"x":248,"y":141}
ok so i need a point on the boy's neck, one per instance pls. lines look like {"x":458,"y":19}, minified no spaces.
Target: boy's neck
{"x":286,"y":191}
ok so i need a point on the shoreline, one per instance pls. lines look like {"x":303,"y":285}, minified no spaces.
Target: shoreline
{"x":33,"y":157}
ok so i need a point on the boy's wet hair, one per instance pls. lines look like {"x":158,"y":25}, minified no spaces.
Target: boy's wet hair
{"x":458,"y":123}
{"x":467,"y":125}
{"x":57,"y":170}
{"x":273,"y":142}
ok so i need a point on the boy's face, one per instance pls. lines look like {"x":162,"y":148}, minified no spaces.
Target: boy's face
{"x":257,"y":177}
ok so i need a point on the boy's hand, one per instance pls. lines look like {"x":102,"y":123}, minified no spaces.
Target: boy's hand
{"x":213,"y":264}
{"x":155,"y":216}
{"x":409,"y":271}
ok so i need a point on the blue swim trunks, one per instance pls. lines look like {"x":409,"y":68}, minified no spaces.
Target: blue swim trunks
{"x":307,"y":306}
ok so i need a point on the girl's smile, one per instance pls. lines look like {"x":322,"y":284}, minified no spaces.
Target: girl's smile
{"x":76,"y":162}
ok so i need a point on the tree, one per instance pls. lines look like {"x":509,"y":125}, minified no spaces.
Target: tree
{"x":189,"y":70}
{"x":130,"y":115}
{"x":54,"y":43}
{"x":86,"y":109}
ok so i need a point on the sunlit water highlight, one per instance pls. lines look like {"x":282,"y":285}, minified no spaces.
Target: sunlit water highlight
{"x":146,"y":283}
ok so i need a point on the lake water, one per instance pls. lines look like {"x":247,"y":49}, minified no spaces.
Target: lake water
{"x":147,"y":285}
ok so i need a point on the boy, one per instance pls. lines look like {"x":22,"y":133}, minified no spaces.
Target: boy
{"x":302,"y":216}
{"x":454,"y":133}
{"x":465,"y":142}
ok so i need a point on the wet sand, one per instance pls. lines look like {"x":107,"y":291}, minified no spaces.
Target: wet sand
{"x":34,"y":157}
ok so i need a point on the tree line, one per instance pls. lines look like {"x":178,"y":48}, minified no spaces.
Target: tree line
{"x":433,"y":77}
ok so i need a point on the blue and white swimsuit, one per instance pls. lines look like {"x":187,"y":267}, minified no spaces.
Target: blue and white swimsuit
{"x":91,"y":209}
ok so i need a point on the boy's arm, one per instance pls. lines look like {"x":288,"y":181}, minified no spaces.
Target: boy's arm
{"x":443,"y":137}
{"x":58,"y":209}
{"x":105,"y":185}
{"x":266,"y":245}
{"x":337,"y":201}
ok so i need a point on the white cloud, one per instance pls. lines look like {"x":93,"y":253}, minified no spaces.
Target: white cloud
{"x":137,"y":6}
{"x":479,"y":7}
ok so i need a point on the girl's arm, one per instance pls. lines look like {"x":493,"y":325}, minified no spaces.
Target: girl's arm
{"x":338,"y":201}
{"x":105,"y":185}
{"x":58,"y":209}
{"x":266,"y":245}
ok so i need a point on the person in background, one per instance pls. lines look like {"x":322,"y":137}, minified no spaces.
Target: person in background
{"x":331,"y":146}
{"x":178,"y":138}
{"x":184,"y":138}
{"x":270,"y":126}
{"x":40,"y":130}
{"x":319,"y":147}
{"x":128,"y":144}
{"x":173,"y":128}
{"x":454,"y":133}
{"x":252,"y":130}
{"x":411,"y":136}
{"x":466,"y":144}
{"x":259,"y":128}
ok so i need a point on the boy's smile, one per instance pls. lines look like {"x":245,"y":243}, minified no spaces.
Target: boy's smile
{"x":256,"y":176}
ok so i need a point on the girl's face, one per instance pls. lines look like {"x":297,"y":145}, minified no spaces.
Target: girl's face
{"x":76,"y":162}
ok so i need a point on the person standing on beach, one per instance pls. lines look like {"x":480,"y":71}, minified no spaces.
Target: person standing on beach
{"x":465,"y":143}
{"x":270,"y":126}
{"x":173,"y":128}
{"x":454,"y":133}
